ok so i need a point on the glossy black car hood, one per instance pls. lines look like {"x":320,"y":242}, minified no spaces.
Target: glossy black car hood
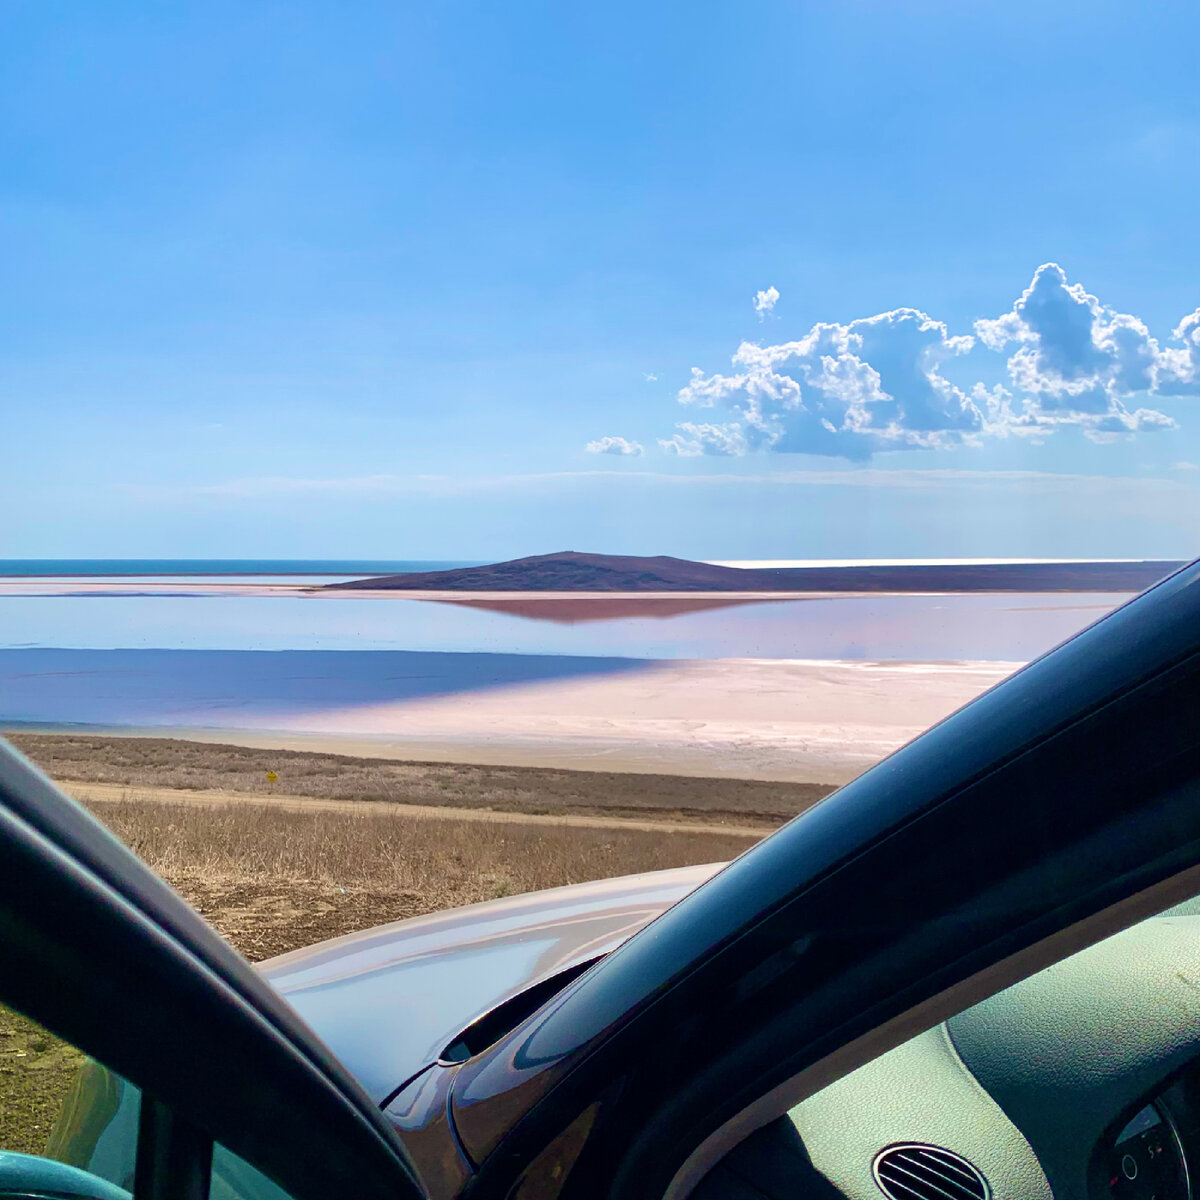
{"x":387,"y":1000}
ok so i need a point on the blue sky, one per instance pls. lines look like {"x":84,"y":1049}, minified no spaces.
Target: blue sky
{"x":367,"y":280}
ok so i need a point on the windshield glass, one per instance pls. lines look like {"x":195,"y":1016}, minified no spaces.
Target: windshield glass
{"x":459,"y":451}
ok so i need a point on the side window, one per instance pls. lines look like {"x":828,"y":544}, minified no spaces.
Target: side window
{"x":235,"y":1179}
{"x":69,"y":1126}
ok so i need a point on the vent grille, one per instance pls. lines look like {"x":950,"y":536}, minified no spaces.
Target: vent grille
{"x":917,"y":1172}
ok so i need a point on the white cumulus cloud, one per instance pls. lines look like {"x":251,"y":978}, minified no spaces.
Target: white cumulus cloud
{"x":1179,"y":371}
{"x":845,"y":390}
{"x":764,"y":302}
{"x":1077,"y":361}
{"x":614,"y":445}
{"x":878,"y":383}
{"x":691,"y":439}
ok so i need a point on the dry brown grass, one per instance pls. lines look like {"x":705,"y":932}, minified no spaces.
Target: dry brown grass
{"x":177,"y":763}
{"x":273,"y":880}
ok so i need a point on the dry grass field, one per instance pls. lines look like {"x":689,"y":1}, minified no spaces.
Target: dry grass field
{"x":176,"y":763}
{"x":272,"y":880}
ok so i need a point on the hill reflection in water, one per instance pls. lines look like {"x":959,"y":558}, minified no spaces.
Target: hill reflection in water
{"x":576,"y":610}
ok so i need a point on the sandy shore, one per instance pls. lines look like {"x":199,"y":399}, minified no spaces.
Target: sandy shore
{"x":790,"y":720}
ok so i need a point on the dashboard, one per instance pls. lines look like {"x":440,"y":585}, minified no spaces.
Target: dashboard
{"x":1081,"y":1082}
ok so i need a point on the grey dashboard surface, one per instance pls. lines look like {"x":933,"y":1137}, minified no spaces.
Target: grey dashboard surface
{"x":1074,"y":1048}
{"x":918,"y":1092}
{"x":1025,"y":1084}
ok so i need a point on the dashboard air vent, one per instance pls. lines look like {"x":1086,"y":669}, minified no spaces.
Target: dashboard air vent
{"x":917,"y":1172}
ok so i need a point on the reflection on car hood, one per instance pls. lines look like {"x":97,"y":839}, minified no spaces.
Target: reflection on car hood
{"x":387,"y":1000}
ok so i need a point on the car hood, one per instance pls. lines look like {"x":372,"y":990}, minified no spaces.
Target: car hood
{"x":386,"y":1001}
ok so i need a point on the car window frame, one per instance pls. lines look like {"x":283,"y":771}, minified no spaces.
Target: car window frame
{"x":1127,"y":684}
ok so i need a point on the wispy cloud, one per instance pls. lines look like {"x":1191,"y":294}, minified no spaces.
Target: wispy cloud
{"x":909,"y":479}
{"x":254,"y":487}
{"x":692,"y":440}
{"x":930,"y":480}
{"x":614,"y":445}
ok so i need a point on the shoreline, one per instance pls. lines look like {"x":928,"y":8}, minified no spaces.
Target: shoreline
{"x":630,"y":759}
{"x":317,"y":780}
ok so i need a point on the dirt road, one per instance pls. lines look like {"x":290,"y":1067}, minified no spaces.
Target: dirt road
{"x":86,"y":792}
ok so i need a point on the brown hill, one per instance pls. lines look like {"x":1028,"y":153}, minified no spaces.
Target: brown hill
{"x":572,"y":571}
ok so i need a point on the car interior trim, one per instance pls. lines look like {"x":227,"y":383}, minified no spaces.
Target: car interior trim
{"x":38,"y":800}
{"x":925,"y":1016}
{"x":69,"y":934}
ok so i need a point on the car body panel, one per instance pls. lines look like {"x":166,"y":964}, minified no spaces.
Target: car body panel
{"x":388,"y":1000}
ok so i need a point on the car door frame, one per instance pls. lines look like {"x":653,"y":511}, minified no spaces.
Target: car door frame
{"x":100,"y":951}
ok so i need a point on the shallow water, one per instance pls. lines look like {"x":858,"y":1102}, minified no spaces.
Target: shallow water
{"x":1004,"y":627}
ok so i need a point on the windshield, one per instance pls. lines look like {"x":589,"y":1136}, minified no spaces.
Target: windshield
{"x":458,"y":451}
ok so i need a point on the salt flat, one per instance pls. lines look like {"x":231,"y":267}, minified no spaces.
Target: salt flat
{"x":819,"y":722}
{"x":788,"y":719}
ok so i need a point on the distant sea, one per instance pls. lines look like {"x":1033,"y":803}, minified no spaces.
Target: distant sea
{"x":221,"y":566}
